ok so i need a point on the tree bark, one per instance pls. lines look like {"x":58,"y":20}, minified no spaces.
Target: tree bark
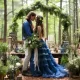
{"x":54,"y":30}
{"x":76,"y":4}
{"x":75,"y":18}
{"x":5,"y":20}
{"x":60,"y":25}
{"x":70,"y":15}
{"x":13,"y":8}
{"x":47,"y":21}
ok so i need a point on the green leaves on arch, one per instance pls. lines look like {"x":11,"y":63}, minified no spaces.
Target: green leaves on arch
{"x":65,"y":19}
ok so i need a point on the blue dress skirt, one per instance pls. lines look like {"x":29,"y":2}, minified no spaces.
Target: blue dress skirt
{"x":47,"y":66}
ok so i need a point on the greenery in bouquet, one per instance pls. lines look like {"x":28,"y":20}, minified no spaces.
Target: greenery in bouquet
{"x":33,"y":41}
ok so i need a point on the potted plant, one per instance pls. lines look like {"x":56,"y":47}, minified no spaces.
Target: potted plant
{"x":3,"y":47}
{"x":3,"y":50}
{"x":13,"y":71}
{"x":3,"y":70}
{"x":14,"y":66}
{"x":74,"y":67}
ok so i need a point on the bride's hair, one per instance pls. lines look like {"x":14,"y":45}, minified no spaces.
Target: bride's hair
{"x":39,"y":22}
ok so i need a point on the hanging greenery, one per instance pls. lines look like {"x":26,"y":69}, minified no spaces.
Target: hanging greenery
{"x":44,"y":8}
{"x":14,"y":26}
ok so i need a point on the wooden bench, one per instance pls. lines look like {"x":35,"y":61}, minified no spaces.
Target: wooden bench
{"x":55,"y":55}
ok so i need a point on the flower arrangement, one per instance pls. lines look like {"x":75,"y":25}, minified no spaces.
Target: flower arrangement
{"x":74,"y":66}
{"x":33,"y":41}
{"x":14,"y":66}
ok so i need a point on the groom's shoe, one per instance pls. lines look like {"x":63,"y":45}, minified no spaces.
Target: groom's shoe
{"x":26,"y":73}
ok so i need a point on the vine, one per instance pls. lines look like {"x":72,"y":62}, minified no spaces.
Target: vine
{"x":65,"y":19}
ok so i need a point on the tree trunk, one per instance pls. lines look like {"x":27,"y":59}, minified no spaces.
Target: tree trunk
{"x":70,"y":26}
{"x":74,"y":16}
{"x":54,"y":30}
{"x":47,"y":21}
{"x":26,"y":1}
{"x":5,"y":20}
{"x":76,"y":4}
{"x":13,"y":8}
{"x":60,"y":24}
{"x":22,"y":6}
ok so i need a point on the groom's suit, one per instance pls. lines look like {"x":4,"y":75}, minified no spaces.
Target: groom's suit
{"x":27,"y":31}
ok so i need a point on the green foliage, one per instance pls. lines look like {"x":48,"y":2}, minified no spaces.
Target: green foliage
{"x":13,"y":59}
{"x":74,"y":66}
{"x":33,"y":41}
{"x":51,"y":9}
{"x":14,"y":26}
{"x":64,"y":60}
{"x":3,"y":47}
{"x":1,"y":2}
{"x":14,"y":63}
{"x":21,"y":50}
{"x":3,"y":69}
{"x":65,"y":21}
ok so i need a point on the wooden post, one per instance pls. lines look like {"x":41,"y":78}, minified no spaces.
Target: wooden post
{"x":10,"y":43}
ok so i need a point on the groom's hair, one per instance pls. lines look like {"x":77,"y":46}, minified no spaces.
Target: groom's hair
{"x":31,"y":13}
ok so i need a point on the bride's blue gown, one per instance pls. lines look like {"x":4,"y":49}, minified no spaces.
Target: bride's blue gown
{"x":47,"y":65}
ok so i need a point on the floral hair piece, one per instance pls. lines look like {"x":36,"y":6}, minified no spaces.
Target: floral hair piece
{"x":41,"y":19}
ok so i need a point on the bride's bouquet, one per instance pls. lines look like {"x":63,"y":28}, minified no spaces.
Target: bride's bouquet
{"x":33,"y":41}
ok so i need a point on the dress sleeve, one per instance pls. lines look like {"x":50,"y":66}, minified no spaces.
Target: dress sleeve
{"x":27,"y":29}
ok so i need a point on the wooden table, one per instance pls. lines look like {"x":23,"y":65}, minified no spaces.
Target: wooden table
{"x":55,"y":55}
{"x":59,"y":56}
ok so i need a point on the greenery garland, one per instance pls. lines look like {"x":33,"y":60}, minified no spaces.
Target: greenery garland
{"x":65,"y":19}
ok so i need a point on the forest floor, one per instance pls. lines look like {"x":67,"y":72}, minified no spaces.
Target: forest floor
{"x":40,"y":78}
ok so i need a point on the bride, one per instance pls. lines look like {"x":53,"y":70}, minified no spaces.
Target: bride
{"x":47,"y":66}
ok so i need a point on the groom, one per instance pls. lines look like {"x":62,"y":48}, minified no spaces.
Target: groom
{"x":27,"y":30}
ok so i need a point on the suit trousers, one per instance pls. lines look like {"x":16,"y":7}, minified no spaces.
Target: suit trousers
{"x":27,"y":57}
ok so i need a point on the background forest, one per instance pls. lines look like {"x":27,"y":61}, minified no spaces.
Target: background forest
{"x":52,"y":23}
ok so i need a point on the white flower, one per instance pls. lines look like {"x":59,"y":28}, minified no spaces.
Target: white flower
{"x":11,"y":66}
{"x":34,"y":35}
{"x":18,"y":64}
{"x":29,"y":42}
{"x":76,"y":66}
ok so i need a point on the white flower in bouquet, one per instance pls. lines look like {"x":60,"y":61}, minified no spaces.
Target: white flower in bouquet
{"x":34,"y":35}
{"x":33,"y":41}
{"x":29,"y":42}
